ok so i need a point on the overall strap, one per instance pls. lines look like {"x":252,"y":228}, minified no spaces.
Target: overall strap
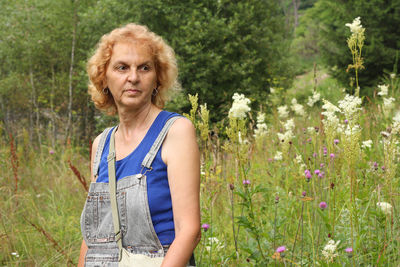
{"x":99,"y":151}
{"x":113,"y":194}
{"x":148,"y":159}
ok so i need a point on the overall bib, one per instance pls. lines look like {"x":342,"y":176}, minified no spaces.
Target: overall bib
{"x":136,"y":227}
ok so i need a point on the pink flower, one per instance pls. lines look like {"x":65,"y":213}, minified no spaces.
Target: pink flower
{"x":246,"y":182}
{"x":336,"y":141}
{"x":205,"y":227}
{"x":349,"y":250}
{"x":51,"y":152}
{"x":332,"y":155}
{"x":317,"y":171}
{"x":281,"y":249}
{"x":304,"y":193}
{"x":323,"y":205}
{"x":308,"y":175}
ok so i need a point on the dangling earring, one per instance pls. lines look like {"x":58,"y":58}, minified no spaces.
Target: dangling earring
{"x":106,"y":91}
{"x":155,"y":92}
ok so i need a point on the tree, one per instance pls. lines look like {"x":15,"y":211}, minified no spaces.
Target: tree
{"x":380,"y":19}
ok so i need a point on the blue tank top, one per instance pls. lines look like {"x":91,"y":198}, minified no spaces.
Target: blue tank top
{"x":158,"y":192}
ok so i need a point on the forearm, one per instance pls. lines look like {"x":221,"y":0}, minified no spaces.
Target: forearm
{"x":182,"y":247}
{"x":82,"y":254}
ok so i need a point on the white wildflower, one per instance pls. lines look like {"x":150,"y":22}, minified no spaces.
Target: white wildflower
{"x":384,"y":89}
{"x":330,"y":119}
{"x":329,"y":107}
{"x":299,"y":159}
{"x":278,"y":155}
{"x":355,"y":26}
{"x":242,"y":141}
{"x":297,"y":108}
{"x":385,"y":207}
{"x":272,"y":90}
{"x":385,"y":134}
{"x":215,"y":243}
{"x":283,"y":112}
{"x":313,"y":99}
{"x":240,"y":106}
{"x":15,"y":254}
{"x":392,"y":75}
{"x":287,"y":136}
{"x":261,"y":127}
{"x":366,"y":144}
{"x":310,"y":130}
{"x":350,"y":131}
{"x":330,"y":250}
{"x":289,"y":125}
{"x":350,"y":105}
{"x":388,"y":103}
{"x":396,"y":117}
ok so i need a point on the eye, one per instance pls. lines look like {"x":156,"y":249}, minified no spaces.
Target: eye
{"x":144,"y":67}
{"x":121,"y":67}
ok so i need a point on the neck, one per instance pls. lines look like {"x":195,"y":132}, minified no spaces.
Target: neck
{"x":133,"y":120}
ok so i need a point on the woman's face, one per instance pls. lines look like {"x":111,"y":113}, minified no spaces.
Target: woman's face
{"x":131,"y":75}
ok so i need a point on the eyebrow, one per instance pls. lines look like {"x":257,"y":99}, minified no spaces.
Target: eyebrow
{"x":123,"y":62}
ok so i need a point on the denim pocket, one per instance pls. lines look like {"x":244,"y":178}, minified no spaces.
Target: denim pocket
{"x":97,"y":217}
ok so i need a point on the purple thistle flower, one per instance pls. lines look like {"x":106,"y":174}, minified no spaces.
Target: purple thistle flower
{"x":323,"y":205}
{"x":314,"y":155}
{"x":325,"y":151}
{"x":51,"y":152}
{"x":336,"y":141}
{"x":349,"y":250}
{"x":332,"y":156}
{"x":205,"y":227}
{"x":304,"y":193}
{"x":246,"y":182}
{"x":276,"y":199}
{"x":321,"y":174}
{"x":383,"y":168}
{"x":308,"y":174}
{"x":321,"y":165}
{"x":281,"y":249}
{"x":375,"y":165}
{"x":317,"y":171}
{"x":346,"y":121}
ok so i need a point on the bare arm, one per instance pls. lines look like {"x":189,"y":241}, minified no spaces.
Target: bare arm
{"x":84,"y":248}
{"x":181,"y":154}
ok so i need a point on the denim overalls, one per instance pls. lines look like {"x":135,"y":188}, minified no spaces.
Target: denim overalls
{"x":138,"y":234}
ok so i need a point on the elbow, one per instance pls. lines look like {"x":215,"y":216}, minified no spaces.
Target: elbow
{"x":198,"y":237}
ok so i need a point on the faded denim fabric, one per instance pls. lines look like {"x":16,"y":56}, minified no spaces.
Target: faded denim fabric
{"x":138,"y":235}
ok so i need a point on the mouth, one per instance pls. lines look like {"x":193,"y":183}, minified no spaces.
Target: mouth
{"x":134,"y":91}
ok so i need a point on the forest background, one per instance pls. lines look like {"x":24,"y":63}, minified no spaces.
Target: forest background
{"x":262,"y":49}
{"x":222,"y":47}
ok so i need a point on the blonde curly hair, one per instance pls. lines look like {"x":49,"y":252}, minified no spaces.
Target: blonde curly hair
{"x":163,"y":56}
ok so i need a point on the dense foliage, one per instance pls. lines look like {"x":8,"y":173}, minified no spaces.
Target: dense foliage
{"x":323,"y":24}
{"x":221,"y":46}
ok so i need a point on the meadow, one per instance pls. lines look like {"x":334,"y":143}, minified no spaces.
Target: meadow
{"x":313,"y":180}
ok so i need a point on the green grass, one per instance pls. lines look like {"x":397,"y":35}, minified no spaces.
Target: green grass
{"x":50,"y":196}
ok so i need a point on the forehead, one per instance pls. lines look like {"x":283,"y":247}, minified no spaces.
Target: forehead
{"x":131,"y":52}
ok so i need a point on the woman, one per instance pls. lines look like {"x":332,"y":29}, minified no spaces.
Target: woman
{"x":130,"y":73}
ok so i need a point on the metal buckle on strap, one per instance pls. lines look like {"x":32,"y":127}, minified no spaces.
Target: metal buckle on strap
{"x":118,"y":236}
{"x":147,"y":170}
{"x":111,"y":156}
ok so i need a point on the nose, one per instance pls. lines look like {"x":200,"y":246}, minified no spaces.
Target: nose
{"x":133,"y":76}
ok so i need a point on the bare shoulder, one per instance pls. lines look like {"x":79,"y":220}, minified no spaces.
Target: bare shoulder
{"x":182,"y":126}
{"x":181,"y":139}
